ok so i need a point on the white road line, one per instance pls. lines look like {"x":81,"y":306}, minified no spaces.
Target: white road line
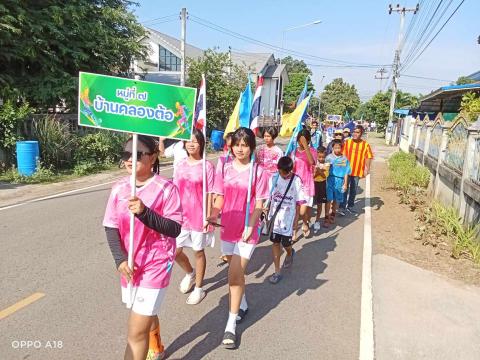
{"x":77,"y":190}
{"x":64,"y":193}
{"x":367,"y":342}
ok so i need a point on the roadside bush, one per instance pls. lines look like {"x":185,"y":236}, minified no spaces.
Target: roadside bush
{"x":405,"y":174}
{"x":42,"y":175}
{"x":11,"y":116}
{"x":99,"y":148}
{"x":463,"y":237}
{"x":55,"y":140}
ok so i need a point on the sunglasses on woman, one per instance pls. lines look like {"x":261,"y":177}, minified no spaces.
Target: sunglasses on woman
{"x":128,"y":155}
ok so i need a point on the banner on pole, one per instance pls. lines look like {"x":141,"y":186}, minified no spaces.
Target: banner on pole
{"x":129,"y":105}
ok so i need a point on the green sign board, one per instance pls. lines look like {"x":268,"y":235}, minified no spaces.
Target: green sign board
{"x":143,"y":107}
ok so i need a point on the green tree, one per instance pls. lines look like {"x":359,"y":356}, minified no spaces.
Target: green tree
{"x":463,"y":80}
{"x":46,"y":43}
{"x":297,"y":71}
{"x":223,"y":86}
{"x":471,"y":105}
{"x":339,"y":97}
{"x":378,"y":107}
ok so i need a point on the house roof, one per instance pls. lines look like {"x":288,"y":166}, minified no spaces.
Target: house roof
{"x":274,"y":71}
{"x":256,"y":62}
{"x":447,"y":98}
{"x":173,"y":44}
{"x":475,"y":76}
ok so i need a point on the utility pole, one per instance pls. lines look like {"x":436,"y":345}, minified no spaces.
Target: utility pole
{"x":229,"y":69}
{"x":396,"y":61}
{"x":183,"y":17}
{"x":320,"y":99}
{"x":381,"y":77}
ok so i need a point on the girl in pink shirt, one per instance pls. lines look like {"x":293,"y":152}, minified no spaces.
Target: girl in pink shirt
{"x":268,"y":154}
{"x":189,"y":180}
{"x":158,"y":220}
{"x":305,"y":159}
{"x":239,"y":241}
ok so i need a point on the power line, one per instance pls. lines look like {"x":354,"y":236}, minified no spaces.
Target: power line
{"x":438,"y":32}
{"x":426,"y":78}
{"x":425,"y":36}
{"x":234,"y":34}
{"x":159,"y":18}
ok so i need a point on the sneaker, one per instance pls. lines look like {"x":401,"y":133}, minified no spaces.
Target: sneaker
{"x":196,"y":297}
{"x":275,"y":278}
{"x":187,"y":283}
{"x":289,"y":260}
{"x":352,"y":211}
{"x":341,"y":212}
{"x":316,"y":226}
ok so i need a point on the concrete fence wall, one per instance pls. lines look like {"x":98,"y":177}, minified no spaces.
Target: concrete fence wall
{"x":451,"y":151}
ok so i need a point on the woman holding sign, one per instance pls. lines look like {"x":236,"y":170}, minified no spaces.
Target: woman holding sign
{"x":189,"y":181}
{"x":158,"y":221}
{"x":234,"y":181}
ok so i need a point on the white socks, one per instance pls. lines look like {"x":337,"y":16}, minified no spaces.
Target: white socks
{"x":197,"y":289}
{"x":192,"y":274}
{"x":243,"y":303}
{"x":231,"y":323}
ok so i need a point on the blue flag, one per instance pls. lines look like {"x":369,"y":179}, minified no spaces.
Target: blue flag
{"x":246,"y":102}
{"x":303,"y":94}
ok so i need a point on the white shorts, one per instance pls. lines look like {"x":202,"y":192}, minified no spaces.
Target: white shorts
{"x":195,"y":240}
{"x":241,"y":248}
{"x":145,"y":301}
{"x":308,"y":200}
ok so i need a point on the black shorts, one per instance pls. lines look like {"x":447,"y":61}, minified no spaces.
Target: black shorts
{"x":320,"y":193}
{"x":286,"y":241}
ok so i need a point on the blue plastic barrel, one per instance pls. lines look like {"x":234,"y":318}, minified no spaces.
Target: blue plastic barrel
{"x":217,"y":139}
{"x":27,"y":156}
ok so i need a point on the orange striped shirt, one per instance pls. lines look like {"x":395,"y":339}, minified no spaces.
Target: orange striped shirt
{"x":356,"y":153}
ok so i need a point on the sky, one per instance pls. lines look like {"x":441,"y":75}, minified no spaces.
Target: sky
{"x":353,"y":31}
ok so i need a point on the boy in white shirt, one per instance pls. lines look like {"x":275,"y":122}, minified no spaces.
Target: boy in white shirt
{"x":286,"y":198}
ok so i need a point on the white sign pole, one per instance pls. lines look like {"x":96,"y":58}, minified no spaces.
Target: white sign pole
{"x":133,"y":189}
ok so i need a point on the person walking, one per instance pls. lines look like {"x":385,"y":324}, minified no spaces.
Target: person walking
{"x":305,"y":158}
{"x":189,"y":180}
{"x":268,"y":154}
{"x":158,"y":220}
{"x":316,"y":134}
{"x":360,"y":155}
{"x":238,"y":236}
{"x":287,"y":195}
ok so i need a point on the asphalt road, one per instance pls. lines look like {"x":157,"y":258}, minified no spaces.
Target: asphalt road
{"x":58,"y":247}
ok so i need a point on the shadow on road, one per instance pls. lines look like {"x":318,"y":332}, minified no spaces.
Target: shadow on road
{"x":262,"y":297}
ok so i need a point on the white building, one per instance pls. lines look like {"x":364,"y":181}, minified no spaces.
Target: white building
{"x":164,"y":63}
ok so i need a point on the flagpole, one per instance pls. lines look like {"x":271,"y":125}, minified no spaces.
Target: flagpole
{"x":133,"y":191}
{"x":249,"y":192}
{"x":204,"y":160}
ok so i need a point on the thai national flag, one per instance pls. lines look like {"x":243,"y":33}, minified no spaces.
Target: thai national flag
{"x":255,"y":113}
{"x":201,"y":108}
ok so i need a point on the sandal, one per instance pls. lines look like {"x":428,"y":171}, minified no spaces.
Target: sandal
{"x":306,"y":230}
{"x":275,"y":278}
{"x":229,"y":340}
{"x":241,"y":315}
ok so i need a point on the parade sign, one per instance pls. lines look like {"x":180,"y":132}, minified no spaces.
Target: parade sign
{"x":135,"y":106}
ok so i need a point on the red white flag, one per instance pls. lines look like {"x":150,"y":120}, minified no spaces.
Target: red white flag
{"x":201,"y":108}
{"x":255,"y":113}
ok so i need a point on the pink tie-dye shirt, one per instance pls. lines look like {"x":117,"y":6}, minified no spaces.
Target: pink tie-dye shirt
{"x":304,"y":170}
{"x":233,"y":185}
{"x":154,"y":253}
{"x":268,"y":158}
{"x":189,"y":180}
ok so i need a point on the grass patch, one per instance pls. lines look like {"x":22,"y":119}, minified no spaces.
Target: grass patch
{"x":462,"y":237}
{"x":406,"y":175}
{"x":45,"y":175}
